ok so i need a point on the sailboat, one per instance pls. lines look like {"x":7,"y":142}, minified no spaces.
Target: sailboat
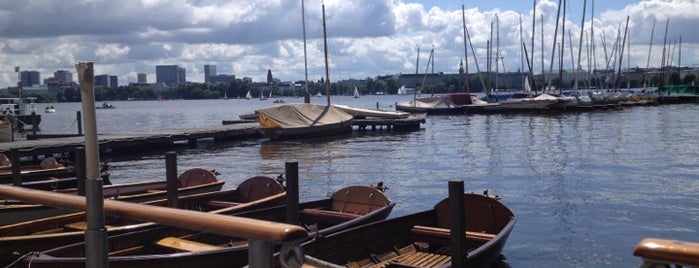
{"x":304,"y":120}
{"x":262,"y":97}
{"x":248,"y":95}
{"x":356,"y":93}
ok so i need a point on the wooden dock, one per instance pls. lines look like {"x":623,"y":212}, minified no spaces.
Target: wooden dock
{"x":167,"y":138}
{"x":133,"y":142}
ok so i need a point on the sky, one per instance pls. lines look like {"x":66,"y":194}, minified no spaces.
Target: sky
{"x":365,"y":38}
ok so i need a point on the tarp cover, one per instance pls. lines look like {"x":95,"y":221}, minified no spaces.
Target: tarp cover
{"x":429,"y":102}
{"x":299,"y":115}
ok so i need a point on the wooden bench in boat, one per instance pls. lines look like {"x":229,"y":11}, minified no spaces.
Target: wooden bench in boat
{"x":222,"y":204}
{"x":328,"y":216}
{"x":185,"y":245}
{"x":80,"y":226}
{"x":436,"y":234}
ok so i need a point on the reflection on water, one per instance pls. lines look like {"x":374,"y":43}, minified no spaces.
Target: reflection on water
{"x":585,"y":186}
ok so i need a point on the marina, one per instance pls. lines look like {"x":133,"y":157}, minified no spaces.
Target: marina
{"x":586,"y":186}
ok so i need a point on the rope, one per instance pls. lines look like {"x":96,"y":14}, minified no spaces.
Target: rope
{"x":12,"y":264}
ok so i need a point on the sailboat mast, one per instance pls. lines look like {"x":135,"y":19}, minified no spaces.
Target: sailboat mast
{"x":417,"y":73}
{"x":531,"y":69}
{"x":307,"y":96}
{"x":325,"y":47}
{"x":497,"y":50}
{"x":582,"y":30}
{"x":553,"y":47}
{"x":621,"y":53}
{"x":463,"y":19}
{"x":563,"y":42}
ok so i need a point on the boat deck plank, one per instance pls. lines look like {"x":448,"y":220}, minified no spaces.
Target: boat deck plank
{"x":136,"y":140}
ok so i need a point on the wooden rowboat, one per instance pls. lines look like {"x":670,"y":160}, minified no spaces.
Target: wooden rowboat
{"x":48,"y":167}
{"x":22,"y":238}
{"x":193,"y":181}
{"x":176,"y":247}
{"x":418,"y":240}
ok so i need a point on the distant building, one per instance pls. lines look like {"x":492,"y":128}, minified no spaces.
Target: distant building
{"x":170,"y":74}
{"x":105,"y":80}
{"x":102,"y":80}
{"x":142,"y":78}
{"x":63,"y":76}
{"x":270,"y":78}
{"x":221,"y":79}
{"x":30,"y":78}
{"x":209,"y":72}
{"x":113,"y":81}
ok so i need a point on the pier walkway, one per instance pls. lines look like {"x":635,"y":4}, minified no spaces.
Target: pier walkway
{"x":133,"y":141}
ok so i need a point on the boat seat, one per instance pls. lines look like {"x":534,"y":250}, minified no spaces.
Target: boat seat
{"x":49,"y":163}
{"x":80,"y":226}
{"x":436,"y":234}
{"x":185,"y":245}
{"x":196,"y":176}
{"x":222,"y":204}
{"x":328,"y":216}
{"x":664,"y":252}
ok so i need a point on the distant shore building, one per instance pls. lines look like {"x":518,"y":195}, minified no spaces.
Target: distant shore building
{"x":105,"y":80}
{"x":170,"y":74}
{"x":209,"y":72}
{"x":30,"y":78}
{"x":63,"y":76}
{"x":142,"y":78}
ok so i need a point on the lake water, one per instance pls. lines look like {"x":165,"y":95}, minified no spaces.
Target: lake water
{"x":586,"y":187}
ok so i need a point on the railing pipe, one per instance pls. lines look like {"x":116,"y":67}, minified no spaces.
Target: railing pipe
{"x":272,"y":232}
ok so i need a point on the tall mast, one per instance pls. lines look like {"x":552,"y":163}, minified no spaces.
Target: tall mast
{"x":542,"y":51}
{"x":650,"y":46}
{"x":417,"y":71}
{"x":582,"y":30}
{"x":533,"y":34}
{"x":463,"y":19}
{"x":307,"y":97}
{"x":553,"y":47}
{"x":325,"y":47}
{"x":497,"y":51}
{"x":560,"y":61}
{"x":621,"y":53}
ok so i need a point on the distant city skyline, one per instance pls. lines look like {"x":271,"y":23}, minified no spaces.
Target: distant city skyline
{"x":366,"y":38}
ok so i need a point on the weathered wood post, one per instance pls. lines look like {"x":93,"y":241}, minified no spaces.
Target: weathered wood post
{"x":80,"y":169}
{"x":459,"y":252}
{"x":292,"y":192}
{"x":171,"y":176}
{"x":16,"y":167}
{"x":96,"y":234}
{"x":35,"y":126}
{"x":78,"y":118}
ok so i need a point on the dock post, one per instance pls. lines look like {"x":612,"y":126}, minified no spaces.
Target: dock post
{"x":16,"y":168}
{"x":459,"y":253}
{"x":171,"y":175}
{"x":96,"y":233}
{"x":35,"y":126}
{"x":292,"y":192}
{"x":80,"y":169}
{"x":260,"y":253}
{"x":78,"y":117}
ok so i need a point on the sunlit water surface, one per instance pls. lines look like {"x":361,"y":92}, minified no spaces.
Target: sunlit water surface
{"x":586,"y":187}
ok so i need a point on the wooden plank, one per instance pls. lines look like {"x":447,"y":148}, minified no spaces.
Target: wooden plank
{"x":185,"y":245}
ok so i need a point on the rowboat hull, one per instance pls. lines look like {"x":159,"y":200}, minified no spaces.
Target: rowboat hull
{"x":408,"y":239}
{"x":146,"y":249}
{"x":136,"y":193}
{"x":17,"y":239}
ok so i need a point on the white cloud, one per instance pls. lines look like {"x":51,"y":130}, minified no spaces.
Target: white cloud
{"x":245,"y":38}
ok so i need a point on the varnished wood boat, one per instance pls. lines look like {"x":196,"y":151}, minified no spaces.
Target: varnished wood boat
{"x":48,"y":168}
{"x":418,"y":240}
{"x":176,"y":247}
{"x":22,"y":238}
{"x":193,"y":181}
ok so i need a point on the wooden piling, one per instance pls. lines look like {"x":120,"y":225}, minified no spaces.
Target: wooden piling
{"x":292,"y":192}
{"x":459,"y":251}
{"x":16,"y":167}
{"x":171,"y":175}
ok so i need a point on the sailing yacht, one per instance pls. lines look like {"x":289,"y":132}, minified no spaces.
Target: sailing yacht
{"x":356,"y":93}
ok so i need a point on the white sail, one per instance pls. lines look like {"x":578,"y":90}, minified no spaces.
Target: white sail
{"x":356,"y":92}
{"x":248,"y":95}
